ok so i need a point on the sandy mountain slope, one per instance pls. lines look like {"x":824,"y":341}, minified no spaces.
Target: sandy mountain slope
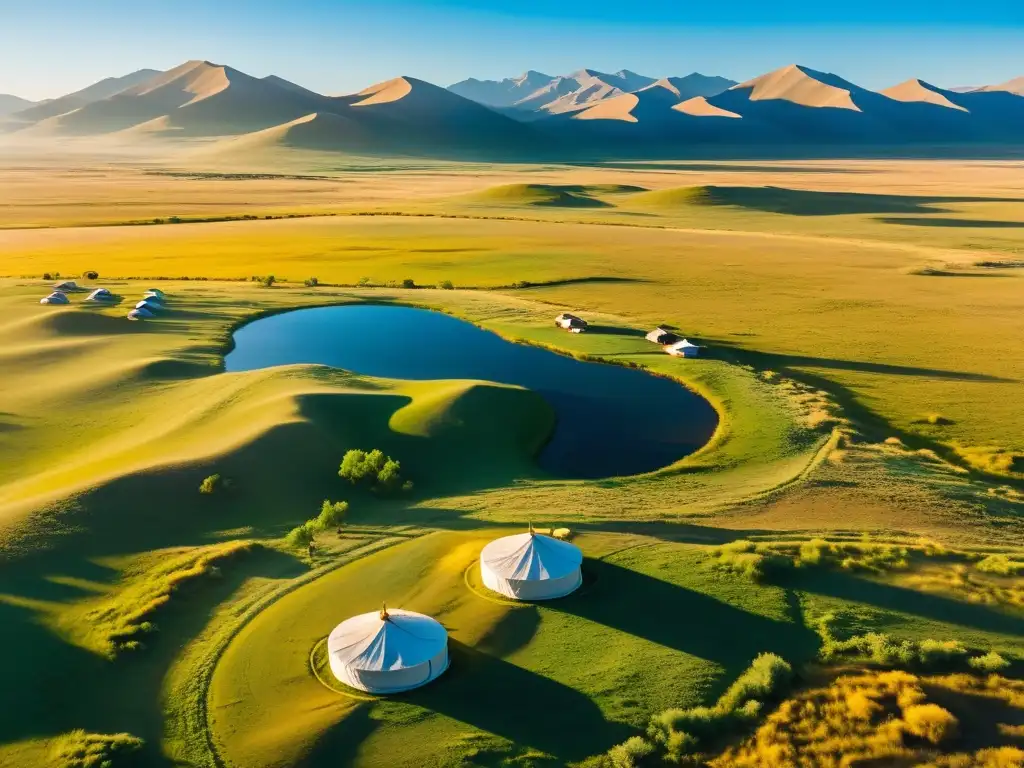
{"x":100,"y":90}
{"x":399,"y":116}
{"x":501,"y":93}
{"x":920,"y":92}
{"x":1016,"y":86}
{"x":198,"y":98}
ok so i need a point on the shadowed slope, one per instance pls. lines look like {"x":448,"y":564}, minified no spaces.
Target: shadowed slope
{"x":101,"y":90}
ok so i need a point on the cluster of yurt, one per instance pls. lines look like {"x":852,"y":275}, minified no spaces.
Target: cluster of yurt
{"x":390,"y":651}
{"x":151,"y":304}
{"x":60,"y":293}
{"x":62,"y":289}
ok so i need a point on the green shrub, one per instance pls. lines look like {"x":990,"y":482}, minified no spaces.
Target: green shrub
{"x":364,"y":282}
{"x":91,"y":274}
{"x":331,"y":515}
{"x":630,"y":753}
{"x":79,"y":749}
{"x":47,"y":276}
{"x":373,"y":469}
{"x":990,"y":662}
{"x":301,"y":536}
{"x":210,"y":484}
{"x":767,"y":677}
{"x":408,"y":283}
{"x":756,"y":562}
{"x":311,"y":282}
{"x":268,"y":281}
{"x":446,"y":285}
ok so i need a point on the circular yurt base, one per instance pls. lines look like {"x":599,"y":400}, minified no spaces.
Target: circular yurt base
{"x":474,"y":583}
{"x":320,"y":666}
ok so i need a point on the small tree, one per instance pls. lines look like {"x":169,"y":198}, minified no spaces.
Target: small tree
{"x":311,"y":282}
{"x":446,"y":285}
{"x":364,"y":282}
{"x":408,"y":283}
{"x":353,"y":466}
{"x":300,"y":536}
{"x":268,"y":281}
{"x":210,"y":484}
{"x":47,"y":276}
{"x":389,"y":477}
{"x":90,"y":274}
{"x":331,"y":514}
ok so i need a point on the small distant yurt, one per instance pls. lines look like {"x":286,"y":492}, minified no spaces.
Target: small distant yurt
{"x":531,"y":566}
{"x":571,"y":323}
{"x":149,"y":305}
{"x":100,"y":294}
{"x":55,"y":298}
{"x":140,"y":314}
{"x":662,"y":336}
{"x":388,"y":651}
{"x":683,"y":348}
{"x":66,"y":285}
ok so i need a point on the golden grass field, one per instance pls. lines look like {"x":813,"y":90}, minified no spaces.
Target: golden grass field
{"x":863,"y":323}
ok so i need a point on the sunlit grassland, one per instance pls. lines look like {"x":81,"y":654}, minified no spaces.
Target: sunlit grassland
{"x":823,"y":339}
{"x":854,"y":313}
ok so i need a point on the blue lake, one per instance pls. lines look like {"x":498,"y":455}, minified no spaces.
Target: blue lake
{"x":611,"y":420}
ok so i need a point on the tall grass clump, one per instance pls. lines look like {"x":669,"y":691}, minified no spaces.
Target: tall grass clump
{"x":210,"y":484}
{"x":989,"y":662}
{"x":754,"y":561}
{"x":79,"y":749}
{"x":122,"y":619}
{"x":882,"y":649}
{"x":1000,"y":565}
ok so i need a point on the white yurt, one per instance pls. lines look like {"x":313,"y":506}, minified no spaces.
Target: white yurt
{"x":388,"y":651}
{"x":531,"y":566}
{"x":55,"y":298}
{"x":100,"y":294}
{"x":149,"y":305}
{"x":683,"y":348}
{"x":66,"y":285}
{"x":140,"y":314}
{"x":154,"y":293}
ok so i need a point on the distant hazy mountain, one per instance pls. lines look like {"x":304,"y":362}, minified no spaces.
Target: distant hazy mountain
{"x":9,"y":104}
{"x":540,"y":93}
{"x":588,"y":113}
{"x":101,"y":90}
{"x":501,"y":93}
{"x":1016,"y":85}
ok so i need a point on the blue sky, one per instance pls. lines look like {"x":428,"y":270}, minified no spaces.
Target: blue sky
{"x":49,"y":47}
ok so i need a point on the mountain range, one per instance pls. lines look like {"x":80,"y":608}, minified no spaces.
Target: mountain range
{"x":587,"y":113}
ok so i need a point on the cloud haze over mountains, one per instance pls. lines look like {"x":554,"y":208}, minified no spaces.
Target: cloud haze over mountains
{"x":588,"y":112}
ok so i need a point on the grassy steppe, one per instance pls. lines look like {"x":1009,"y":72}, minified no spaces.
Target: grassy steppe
{"x":815,"y":319}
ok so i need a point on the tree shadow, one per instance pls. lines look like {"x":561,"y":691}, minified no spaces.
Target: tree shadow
{"x":684,"y":620}
{"x":521,"y":706}
{"x":909,"y":601}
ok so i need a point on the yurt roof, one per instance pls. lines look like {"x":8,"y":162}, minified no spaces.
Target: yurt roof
{"x":147,"y":304}
{"x":531,"y":556}
{"x":684,"y":344}
{"x":143,"y":312}
{"x":57,"y":298}
{"x":404,"y":639}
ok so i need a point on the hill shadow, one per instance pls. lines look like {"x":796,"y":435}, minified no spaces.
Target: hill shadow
{"x":340,"y":745}
{"x":776,"y":361}
{"x":684,"y":620}
{"x":704,"y":167}
{"x":923,"y":221}
{"x":910,"y":601}
{"x":498,"y":697}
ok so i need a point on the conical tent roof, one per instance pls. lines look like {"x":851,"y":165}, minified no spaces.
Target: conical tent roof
{"x":531,"y":557}
{"x":386,"y":640}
